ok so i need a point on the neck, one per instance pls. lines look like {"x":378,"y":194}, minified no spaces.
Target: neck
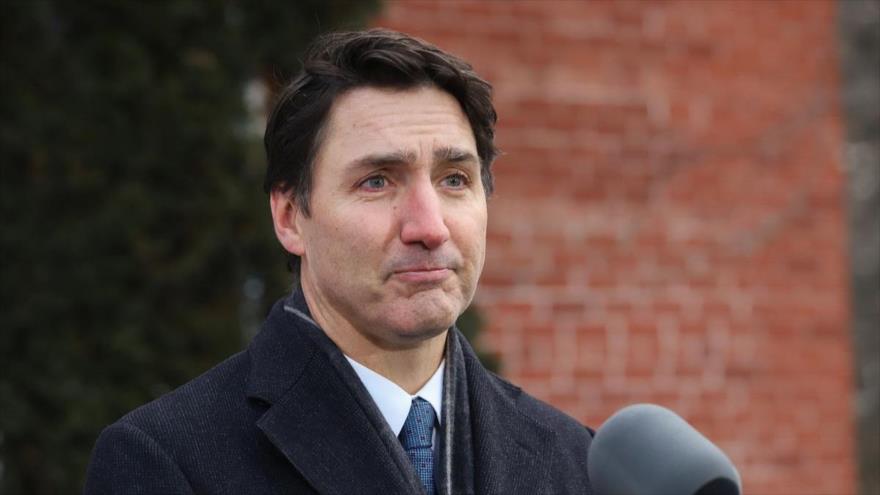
{"x":409,"y":366}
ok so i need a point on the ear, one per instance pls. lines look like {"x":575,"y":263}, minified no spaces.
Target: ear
{"x":285,"y":214}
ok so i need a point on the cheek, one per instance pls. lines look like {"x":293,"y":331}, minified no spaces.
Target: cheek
{"x":355,"y":235}
{"x":470,"y":233}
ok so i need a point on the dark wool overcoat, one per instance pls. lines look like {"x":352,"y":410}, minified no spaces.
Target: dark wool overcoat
{"x":289,"y":415}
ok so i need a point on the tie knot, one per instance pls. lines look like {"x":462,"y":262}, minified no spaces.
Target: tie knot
{"x":418,"y":430}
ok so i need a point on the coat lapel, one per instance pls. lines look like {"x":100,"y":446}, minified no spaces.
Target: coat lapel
{"x":320,"y":416}
{"x":325,"y":423}
{"x":511,"y":451}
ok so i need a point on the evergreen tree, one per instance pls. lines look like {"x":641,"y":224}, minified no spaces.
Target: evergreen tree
{"x":135,"y":233}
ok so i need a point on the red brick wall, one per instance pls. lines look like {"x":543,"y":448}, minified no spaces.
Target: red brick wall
{"x":668,"y":221}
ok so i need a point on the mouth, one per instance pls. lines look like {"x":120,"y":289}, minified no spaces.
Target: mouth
{"x":428,"y":275}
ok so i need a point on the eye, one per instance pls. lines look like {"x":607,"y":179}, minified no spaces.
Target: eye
{"x":456,"y":181}
{"x":375,"y":182}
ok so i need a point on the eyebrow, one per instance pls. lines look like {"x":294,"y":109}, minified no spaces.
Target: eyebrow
{"x":445,"y":154}
{"x":449,"y":154}
{"x":399,"y":157}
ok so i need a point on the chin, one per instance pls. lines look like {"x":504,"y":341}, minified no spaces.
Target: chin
{"x":416,"y":335}
{"x":424,"y":322}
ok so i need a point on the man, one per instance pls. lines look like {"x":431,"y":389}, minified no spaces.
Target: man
{"x":379,"y":159}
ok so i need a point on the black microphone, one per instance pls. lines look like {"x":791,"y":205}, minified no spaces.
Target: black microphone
{"x":646,"y":449}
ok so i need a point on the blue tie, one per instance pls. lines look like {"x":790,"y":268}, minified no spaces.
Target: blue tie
{"x":416,"y":437}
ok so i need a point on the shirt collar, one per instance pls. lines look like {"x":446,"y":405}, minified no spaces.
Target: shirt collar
{"x":394,"y":402}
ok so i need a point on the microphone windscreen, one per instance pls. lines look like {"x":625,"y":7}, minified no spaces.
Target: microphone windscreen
{"x":645,"y":449}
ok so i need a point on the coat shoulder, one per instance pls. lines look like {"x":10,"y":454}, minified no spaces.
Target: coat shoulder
{"x":159,"y":447}
{"x":559,"y":422}
{"x":199,"y":404}
{"x":564,"y":443}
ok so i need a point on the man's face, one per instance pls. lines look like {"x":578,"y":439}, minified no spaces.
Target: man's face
{"x":396,"y":238}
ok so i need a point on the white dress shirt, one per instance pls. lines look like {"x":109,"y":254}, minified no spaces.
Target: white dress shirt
{"x":394,"y":402}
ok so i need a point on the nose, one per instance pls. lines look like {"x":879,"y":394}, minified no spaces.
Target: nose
{"x":421,"y":216}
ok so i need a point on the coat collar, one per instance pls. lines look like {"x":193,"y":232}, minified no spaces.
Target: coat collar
{"x":320,"y":416}
{"x":323,"y":420}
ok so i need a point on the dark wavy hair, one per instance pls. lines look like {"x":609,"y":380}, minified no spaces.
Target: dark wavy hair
{"x":338,"y":62}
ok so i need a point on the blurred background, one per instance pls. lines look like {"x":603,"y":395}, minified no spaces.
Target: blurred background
{"x":686,"y":213}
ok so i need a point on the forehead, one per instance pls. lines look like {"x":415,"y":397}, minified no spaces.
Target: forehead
{"x":377,"y":120}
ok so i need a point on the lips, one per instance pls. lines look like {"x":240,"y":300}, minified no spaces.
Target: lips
{"x":420,"y":268}
{"x":422,"y":275}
